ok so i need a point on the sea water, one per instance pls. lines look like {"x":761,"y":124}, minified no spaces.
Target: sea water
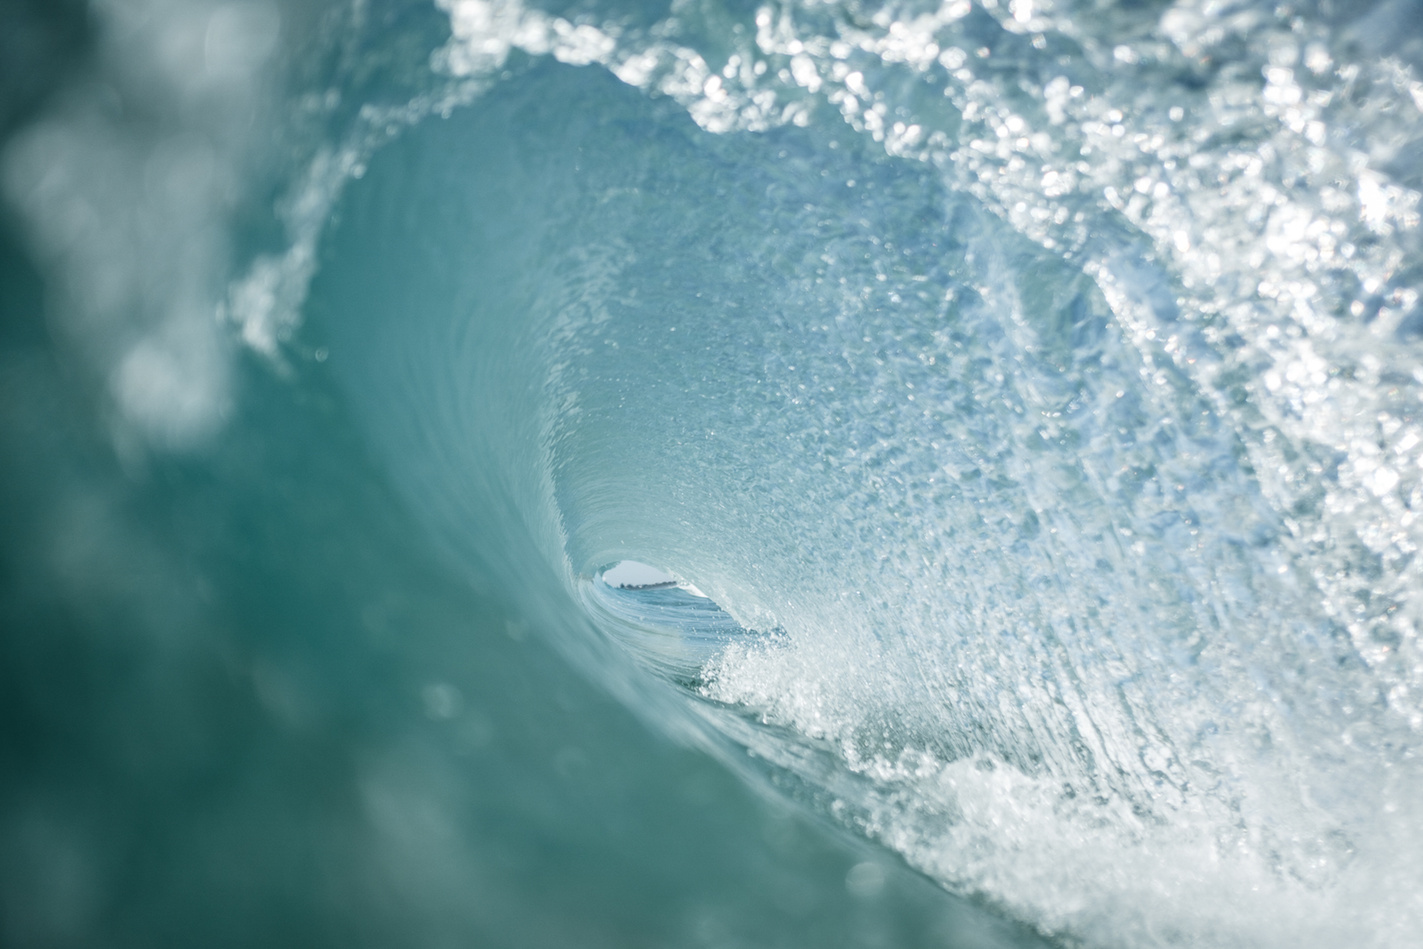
{"x":1023,"y":399}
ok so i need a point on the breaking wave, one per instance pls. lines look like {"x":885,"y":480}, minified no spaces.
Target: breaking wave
{"x":1030,"y":391}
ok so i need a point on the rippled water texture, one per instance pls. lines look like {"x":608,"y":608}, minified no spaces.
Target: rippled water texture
{"x":1024,"y":398}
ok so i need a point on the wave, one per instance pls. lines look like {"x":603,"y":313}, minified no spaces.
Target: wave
{"x":1032,"y":389}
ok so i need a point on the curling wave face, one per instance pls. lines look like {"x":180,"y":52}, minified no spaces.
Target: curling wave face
{"x":1034,"y":386}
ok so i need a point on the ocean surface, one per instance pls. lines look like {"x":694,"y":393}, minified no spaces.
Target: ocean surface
{"x":1016,"y":405}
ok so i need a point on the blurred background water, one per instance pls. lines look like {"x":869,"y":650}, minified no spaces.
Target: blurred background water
{"x":1023,"y":396}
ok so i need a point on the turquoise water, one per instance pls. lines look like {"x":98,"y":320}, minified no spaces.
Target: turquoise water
{"x":1024,"y":396}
